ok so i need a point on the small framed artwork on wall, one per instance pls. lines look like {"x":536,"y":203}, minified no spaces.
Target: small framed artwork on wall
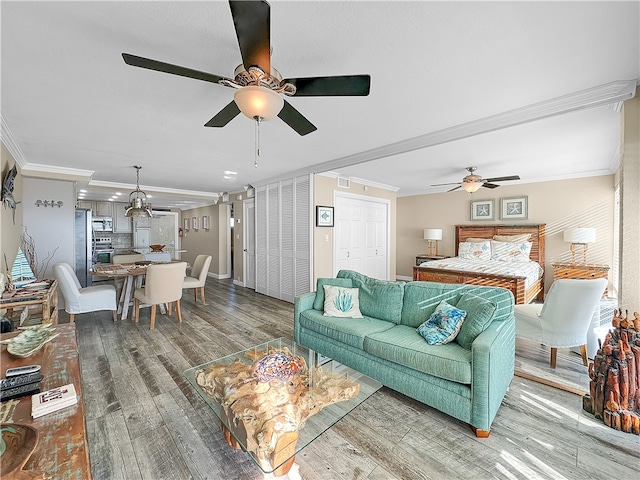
{"x":514,"y":208}
{"x":205,"y":222}
{"x":187,"y":224}
{"x":194,"y":223}
{"x":482,"y":210}
{"x":324,"y":216}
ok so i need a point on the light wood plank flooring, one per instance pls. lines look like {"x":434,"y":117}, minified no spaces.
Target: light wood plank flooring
{"x":145,"y":422}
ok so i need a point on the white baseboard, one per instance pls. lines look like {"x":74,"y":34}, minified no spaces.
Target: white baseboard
{"x":219,"y":277}
{"x":238,"y":283}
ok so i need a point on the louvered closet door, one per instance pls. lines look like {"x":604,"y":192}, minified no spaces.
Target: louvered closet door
{"x":283,"y":249}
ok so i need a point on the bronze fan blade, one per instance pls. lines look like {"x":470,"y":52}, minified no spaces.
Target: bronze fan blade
{"x":502,"y":179}
{"x":149,"y":64}
{"x":456,"y":188}
{"x":224,"y":116}
{"x":253,"y":29}
{"x":296,"y":120}
{"x":338,"y":86}
{"x":490,"y":185}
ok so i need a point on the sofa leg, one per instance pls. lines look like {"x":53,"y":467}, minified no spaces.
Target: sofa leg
{"x":480,"y":433}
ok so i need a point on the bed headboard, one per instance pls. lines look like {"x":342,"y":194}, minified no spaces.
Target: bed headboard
{"x":488,"y":231}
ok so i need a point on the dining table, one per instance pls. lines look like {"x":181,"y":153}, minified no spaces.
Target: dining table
{"x":132,"y":273}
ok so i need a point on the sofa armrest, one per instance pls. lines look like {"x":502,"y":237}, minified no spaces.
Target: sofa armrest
{"x":300,"y":304}
{"x":492,"y":365}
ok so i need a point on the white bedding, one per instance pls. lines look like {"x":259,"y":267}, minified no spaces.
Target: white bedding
{"x":531,"y":270}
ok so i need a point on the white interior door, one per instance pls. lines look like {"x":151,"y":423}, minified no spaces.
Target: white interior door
{"x":249,"y":241}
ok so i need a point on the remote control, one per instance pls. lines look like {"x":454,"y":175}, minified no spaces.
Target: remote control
{"x":21,"y":391}
{"x":12,"y":372}
{"x":12,"y":382}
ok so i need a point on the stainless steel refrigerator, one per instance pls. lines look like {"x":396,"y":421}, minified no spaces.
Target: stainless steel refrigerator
{"x":84,"y":243}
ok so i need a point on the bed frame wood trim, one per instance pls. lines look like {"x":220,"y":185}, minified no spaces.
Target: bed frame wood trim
{"x":510,"y":282}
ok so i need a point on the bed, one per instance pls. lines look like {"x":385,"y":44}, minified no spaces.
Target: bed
{"x":524,"y":291}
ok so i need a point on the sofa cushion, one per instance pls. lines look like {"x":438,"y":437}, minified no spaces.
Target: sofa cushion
{"x":443,"y":325}
{"x":351,"y":331}
{"x":341,"y":302}
{"x":318,"y":303}
{"x":403,"y":345}
{"x":479,"y":315}
{"x":378,"y":298}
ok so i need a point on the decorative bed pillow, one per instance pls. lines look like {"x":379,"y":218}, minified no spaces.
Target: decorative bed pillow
{"x":443,"y":324}
{"x":318,"y":302}
{"x":476,"y":240}
{"x":341,"y":302}
{"x":475,"y":250}
{"x":479,"y":315}
{"x":521,"y":237}
{"x":510,"y":252}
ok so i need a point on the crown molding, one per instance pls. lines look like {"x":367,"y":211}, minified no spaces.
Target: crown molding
{"x":11,"y":144}
{"x":56,"y":173}
{"x":360,"y":181}
{"x":149,"y":188}
{"x":609,"y":94}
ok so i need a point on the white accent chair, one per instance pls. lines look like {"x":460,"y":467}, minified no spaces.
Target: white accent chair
{"x":198,"y":276}
{"x":83,"y":300}
{"x":564,"y":318}
{"x":163,"y":284}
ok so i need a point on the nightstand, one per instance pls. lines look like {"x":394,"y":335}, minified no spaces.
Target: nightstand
{"x":429,"y":258}
{"x":580,"y":270}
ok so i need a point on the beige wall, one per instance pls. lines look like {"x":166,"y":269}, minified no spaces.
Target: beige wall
{"x":10,"y":234}
{"x":205,"y":242}
{"x":324,"y":188}
{"x":585,"y":202}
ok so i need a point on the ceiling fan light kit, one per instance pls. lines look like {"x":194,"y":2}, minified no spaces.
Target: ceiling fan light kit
{"x":258,"y":102}
{"x":138,"y":205}
{"x":471,"y":186}
{"x":471,"y":183}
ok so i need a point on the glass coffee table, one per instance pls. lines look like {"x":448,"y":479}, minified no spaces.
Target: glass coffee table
{"x":275,"y":398}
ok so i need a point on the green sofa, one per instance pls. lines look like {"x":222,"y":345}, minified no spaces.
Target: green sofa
{"x":467,"y":382}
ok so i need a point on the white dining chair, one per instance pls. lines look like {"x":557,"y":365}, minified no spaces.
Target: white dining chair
{"x":198,"y":276}
{"x":564,"y":318}
{"x":163,"y":284}
{"x":83,"y":300}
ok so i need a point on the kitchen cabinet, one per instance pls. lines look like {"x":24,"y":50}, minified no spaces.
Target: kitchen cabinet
{"x":121,"y":223}
{"x":142,"y":222}
{"x":141,"y":239}
{"x":86,"y":204}
{"x":103,"y":209}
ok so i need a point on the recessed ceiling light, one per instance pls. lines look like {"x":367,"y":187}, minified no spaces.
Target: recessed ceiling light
{"x":149,"y":196}
{"x":111,"y":199}
{"x":83,"y":191}
{"x":229,"y":172}
{"x":118,"y":193}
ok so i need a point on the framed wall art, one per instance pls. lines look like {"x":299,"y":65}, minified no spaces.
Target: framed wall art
{"x":513,"y":208}
{"x":324,"y":216}
{"x":205,"y":222}
{"x":482,"y":210}
{"x":194,"y":223}
{"x":187,"y":224}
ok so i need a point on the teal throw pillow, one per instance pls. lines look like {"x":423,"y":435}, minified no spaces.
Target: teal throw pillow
{"x":318,"y":303}
{"x":479,"y":315}
{"x":341,"y":302}
{"x":443,"y":324}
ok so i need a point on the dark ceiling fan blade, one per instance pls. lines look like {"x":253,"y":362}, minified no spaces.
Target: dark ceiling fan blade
{"x":224,"y":116}
{"x":296,"y":120}
{"x":490,"y":185}
{"x":147,"y":63}
{"x":443,"y":184}
{"x":253,"y":29}
{"x":502,"y":179}
{"x":338,"y":86}
{"x":453,"y":189}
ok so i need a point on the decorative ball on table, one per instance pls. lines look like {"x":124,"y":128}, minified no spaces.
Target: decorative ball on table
{"x":277,"y":366}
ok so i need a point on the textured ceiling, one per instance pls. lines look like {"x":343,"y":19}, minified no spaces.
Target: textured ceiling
{"x":69,"y":100}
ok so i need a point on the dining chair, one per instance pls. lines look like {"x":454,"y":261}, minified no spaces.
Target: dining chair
{"x":198,"y":276}
{"x":564,"y":318}
{"x":163,"y":284}
{"x":83,"y":300}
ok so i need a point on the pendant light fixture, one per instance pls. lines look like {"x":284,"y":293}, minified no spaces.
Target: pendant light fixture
{"x":138,"y":205}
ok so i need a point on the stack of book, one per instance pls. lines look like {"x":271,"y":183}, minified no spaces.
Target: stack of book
{"x":53,"y":400}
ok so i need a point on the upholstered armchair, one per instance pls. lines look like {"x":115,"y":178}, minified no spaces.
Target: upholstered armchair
{"x":163,"y":284}
{"x":198,"y":276}
{"x":83,"y":300}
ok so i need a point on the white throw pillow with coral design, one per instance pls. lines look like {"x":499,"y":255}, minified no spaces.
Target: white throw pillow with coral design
{"x":341,"y":302}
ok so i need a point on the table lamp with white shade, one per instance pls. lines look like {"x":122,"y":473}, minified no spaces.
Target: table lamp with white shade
{"x":432,"y":235}
{"x":579,"y":236}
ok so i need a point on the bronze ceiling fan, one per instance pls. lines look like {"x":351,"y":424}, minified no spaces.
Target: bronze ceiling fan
{"x":472,"y":182}
{"x":256,"y":81}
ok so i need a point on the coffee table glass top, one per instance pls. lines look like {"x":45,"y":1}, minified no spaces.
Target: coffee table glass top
{"x":277,"y":397}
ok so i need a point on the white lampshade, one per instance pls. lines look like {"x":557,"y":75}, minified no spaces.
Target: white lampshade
{"x":255,"y":101}
{"x":471,"y":186}
{"x":433,"y":234}
{"x":579,"y":235}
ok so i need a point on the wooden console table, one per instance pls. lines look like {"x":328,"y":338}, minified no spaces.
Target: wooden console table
{"x":46,"y":298}
{"x":62,"y":450}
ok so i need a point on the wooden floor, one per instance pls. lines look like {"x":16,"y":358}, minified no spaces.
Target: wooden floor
{"x":145,"y":422}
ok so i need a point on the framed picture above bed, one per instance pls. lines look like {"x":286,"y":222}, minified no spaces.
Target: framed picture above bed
{"x":483,"y":210}
{"x":513,"y":208}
